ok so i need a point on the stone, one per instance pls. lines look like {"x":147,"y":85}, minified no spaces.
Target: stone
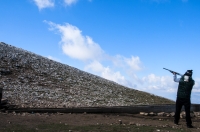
{"x":23,"y":114}
{"x":192,"y":115}
{"x":172,"y":114}
{"x":5,"y":72}
{"x":14,"y":113}
{"x":152,"y":114}
{"x":161,"y":113}
{"x":182,"y":115}
{"x":142,"y":113}
{"x":197,"y":114}
{"x":132,"y":123}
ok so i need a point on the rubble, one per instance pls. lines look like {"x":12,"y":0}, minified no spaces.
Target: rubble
{"x":32,"y":81}
{"x":165,"y":114}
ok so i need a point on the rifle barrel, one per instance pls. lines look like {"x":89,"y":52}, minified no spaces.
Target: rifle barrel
{"x":173,"y":71}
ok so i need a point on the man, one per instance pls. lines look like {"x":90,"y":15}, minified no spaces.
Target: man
{"x":0,"y":95}
{"x":185,"y":86}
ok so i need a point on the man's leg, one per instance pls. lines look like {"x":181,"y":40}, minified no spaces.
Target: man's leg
{"x":0,"y":97}
{"x":178,"y":110}
{"x":0,"y":94}
{"x":187,"y":105}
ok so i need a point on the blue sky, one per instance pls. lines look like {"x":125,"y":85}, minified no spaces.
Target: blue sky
{"x":126,"y":41}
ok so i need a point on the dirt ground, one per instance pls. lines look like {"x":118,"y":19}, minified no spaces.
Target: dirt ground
{"x":31,"y":121}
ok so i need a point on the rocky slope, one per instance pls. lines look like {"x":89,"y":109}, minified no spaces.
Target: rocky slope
{"x":32,"y":81}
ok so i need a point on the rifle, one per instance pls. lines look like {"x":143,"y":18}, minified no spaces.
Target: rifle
{"x":173,"y":71}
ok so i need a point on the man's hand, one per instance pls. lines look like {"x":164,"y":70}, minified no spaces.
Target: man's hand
{"x":174,"y":73}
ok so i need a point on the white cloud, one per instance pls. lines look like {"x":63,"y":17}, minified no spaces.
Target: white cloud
{"x":75,"y":45}
{"x":114,"y":76}
{"x":197,"y":85}
{"x":70,"y":2}
{"x":53,"y":58}
{"x":80,"y":47}
{"x":133,"y":63}
{"x":151,"y":78}
{"x":106,"y":72}
{"x":44,"y":3}
{"x":95,"y":66}
{"x":162,"y":83}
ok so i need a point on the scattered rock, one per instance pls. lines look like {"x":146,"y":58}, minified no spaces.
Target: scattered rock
{"x":160,"y":113}
{"x":172,"y":114}
{"x":197,"y":114}
{"x":131,"y":123}
{"x":152,"y":114}
{"x":23,"y":114}
{"x":120,"y":122}
{"x":5,"y":72}
{"x":142,"y":113}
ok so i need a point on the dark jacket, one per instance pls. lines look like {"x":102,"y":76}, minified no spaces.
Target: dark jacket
{"x":185,"y":88}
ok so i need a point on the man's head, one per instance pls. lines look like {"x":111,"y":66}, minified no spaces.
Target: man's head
{"x":188,"y":73}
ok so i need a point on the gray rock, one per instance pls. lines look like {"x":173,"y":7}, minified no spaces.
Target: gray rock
{"x":152,"y":114}
{"x":161,"y":113}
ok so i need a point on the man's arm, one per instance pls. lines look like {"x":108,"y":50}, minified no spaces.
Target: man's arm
{"x":176,"y":79}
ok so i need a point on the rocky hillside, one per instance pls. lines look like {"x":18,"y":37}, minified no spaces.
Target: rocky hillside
{"x":32,"y":81}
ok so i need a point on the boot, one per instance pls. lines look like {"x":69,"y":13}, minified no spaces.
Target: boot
{"x":190,"y":126}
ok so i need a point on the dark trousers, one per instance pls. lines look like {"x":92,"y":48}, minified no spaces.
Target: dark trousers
{"x":0,"y":97}
{"x":179,"y":103}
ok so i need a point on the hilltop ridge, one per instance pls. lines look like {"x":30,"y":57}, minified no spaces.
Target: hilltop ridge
{"x":32,"y":81}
